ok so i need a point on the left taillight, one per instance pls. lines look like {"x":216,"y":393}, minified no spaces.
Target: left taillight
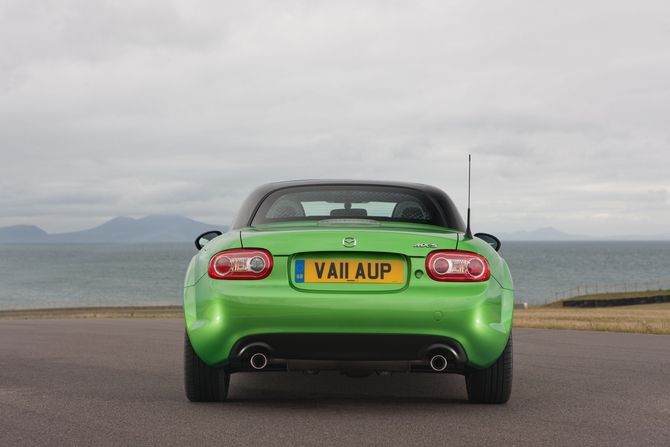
{"x":242,"y":263}
{"x":457,"y":266}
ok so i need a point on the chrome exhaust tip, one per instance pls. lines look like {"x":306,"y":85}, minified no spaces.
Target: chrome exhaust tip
{"x":438,"y":363}
{"x":259,"y":361}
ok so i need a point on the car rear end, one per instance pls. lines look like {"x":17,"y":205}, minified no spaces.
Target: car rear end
{"x":348,"y":293}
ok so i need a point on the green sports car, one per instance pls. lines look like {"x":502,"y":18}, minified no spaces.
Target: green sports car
{"x":351,"y":276}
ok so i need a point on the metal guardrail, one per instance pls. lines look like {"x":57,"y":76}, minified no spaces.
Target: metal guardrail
{"x":17,"y":306}
{"x":647,"y":286}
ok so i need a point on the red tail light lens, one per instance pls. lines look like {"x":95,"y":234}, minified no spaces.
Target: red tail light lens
{"x":457,"y":266}
{"x":241,"y":263}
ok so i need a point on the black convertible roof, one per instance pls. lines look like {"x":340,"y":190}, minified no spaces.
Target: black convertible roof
{"x":251,"y":204}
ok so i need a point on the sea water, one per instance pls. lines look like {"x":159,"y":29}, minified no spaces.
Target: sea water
{"x":68,"y":275}
{"x":540,"y":269}
{"x":71,"y":275}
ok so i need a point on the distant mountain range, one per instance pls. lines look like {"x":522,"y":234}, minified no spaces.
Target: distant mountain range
{"x":542,"y":234}
{"x":552,"y":234}
{"x":182,"y":229}
{"x":118,"y":230}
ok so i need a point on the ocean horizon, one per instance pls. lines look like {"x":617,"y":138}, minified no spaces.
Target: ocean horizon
{"x":152,"y":274}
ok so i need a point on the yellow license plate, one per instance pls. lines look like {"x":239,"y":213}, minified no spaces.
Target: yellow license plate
{"x":380,"y":272}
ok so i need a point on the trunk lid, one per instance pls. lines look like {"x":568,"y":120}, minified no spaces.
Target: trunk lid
{"x":349,"y":258}
{"x":284,"y":240}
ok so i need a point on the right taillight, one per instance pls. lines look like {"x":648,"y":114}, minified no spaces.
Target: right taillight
{"x":457,"y":266}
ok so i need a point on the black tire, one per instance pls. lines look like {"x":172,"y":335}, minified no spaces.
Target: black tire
{"x":492,"y":385}
{"x":203,"y":383}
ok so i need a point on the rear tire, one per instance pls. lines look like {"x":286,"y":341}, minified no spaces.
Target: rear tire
{"x":203,"y":383}
{"x":492,"y":385}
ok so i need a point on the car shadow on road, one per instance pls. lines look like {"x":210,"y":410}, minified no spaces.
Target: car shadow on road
{"x":297,"y":389}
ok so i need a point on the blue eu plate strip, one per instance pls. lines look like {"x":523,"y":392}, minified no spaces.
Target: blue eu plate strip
{"x":299,"y":271}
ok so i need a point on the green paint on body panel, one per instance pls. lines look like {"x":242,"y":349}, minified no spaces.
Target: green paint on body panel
{"x":477,"y":314}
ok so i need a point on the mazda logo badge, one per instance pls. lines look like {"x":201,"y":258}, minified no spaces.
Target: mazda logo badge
{"x":349,"y":242}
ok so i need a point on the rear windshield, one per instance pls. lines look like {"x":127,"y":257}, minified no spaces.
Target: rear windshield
{"x":347,"y":202}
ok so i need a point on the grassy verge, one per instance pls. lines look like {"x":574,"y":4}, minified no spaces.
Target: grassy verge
{"x":94,"y":312}
{"x":92,"y":315}
{"x":641,"y":319}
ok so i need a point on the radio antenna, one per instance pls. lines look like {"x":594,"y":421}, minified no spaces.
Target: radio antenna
{"x":468,"y":232}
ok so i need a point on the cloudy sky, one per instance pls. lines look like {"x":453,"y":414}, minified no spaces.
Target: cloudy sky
{"x":138,"y":107}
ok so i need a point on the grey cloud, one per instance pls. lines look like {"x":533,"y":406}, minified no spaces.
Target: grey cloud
{"x":95,"y":31}
{"x":132,"y":108}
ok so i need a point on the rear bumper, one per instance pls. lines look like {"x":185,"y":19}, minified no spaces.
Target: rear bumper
{"x":223,"y":315}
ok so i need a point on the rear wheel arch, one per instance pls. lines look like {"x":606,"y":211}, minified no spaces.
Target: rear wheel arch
{"x":203,"y":383}
{"x":492,"y":385}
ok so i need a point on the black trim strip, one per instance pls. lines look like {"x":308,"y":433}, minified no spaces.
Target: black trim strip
{"x":349,"y":347}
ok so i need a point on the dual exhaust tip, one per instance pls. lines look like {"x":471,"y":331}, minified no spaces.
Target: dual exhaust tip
{"x":259,"y":361}
{"x":438,"y":362}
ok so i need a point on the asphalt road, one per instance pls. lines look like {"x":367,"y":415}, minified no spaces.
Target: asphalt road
{"x":119,"y":382}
